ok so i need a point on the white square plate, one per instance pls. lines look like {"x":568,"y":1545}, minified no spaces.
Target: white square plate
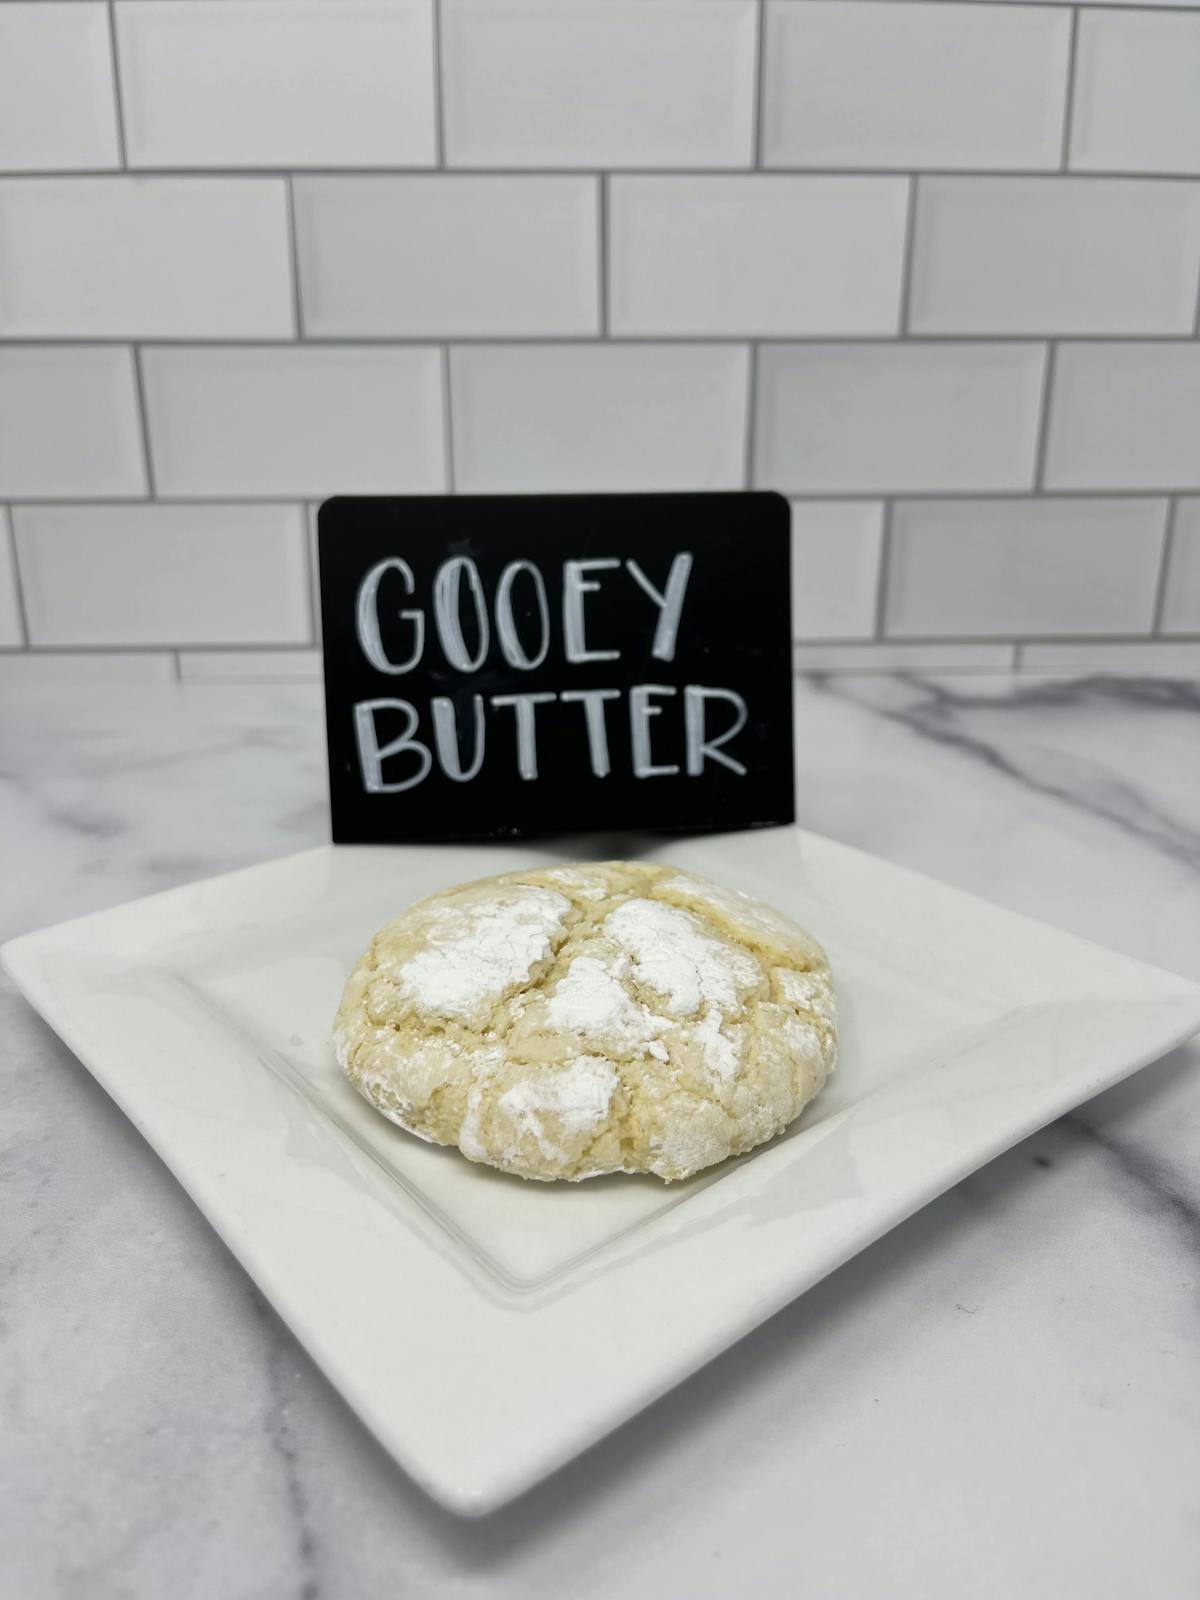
{"x":488,"y":1329}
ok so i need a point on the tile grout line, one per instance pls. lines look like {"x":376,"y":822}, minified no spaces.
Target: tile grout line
{"x":928,"y":641}
{"x":118,"y":98}
{"x":439,"y":120}
{"x":881,"y":577}
{"x":1096,"y":5}
{"x":603,"y":205}
{"x":1069,"y":92}
{"x":1164,"y":567}
{"x":661,"y":169}
{"x":448,"y":422}
{"x":1043,"y":430}
{"x":10,"y":544}
{"x":652,"y":170}
{"x":227,"y":497}
{"x":289,"y":201}
{"x":635,"y":341}
{"x":1196,"y":323}
{"x":226,"y":647}
{"x":751,"y":416}
{"x":858,"y":641}
{"x":758,"y":100}
{"x":906,"y":259}
{"x":139,"y":385}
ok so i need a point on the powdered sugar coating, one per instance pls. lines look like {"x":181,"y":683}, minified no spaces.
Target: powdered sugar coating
{"x":809,"y":990}
{"x":477,"y":950}
{"x":590,"y":1018}
{"x":578,"y":1096}
{"x":591,"y":1001}
{"x":675,"y":955}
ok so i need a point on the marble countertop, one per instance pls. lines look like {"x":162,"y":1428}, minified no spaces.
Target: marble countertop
{"x":1001,"y":1398}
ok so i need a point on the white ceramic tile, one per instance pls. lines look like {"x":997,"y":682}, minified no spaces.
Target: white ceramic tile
{"x":1125,"y":416}
{"x":835,"y":568}
{"x":1005,"y":567}
{"x":1181,"y":605}
{"x":69,"y":422}
{"x":1055,"y":255}
{"x":869,"y":418}
{"x":756,"y":255}
{"x":250,"y":666}
{"x":235,"y":83}
{"x":902,"y":657}
{"x":303,"y":421}
{"x":145,"y":258}
{"x":97,"y":575}
{"x":56,"y":92}
{"x":599,"y":417}
{"x":11,"y":630}
{"x":459,"y":255}
{"x":612,"y":83}
{"x":1136,"y":106}
{"x":875,"y":83}
{"x":51,"y":669}
{"x":1132,"y":659}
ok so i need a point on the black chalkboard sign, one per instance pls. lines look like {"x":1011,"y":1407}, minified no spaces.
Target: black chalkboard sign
{"x":506,"y":665}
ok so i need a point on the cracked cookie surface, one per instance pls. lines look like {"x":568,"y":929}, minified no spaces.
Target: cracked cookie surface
{"x":590,"y":1018}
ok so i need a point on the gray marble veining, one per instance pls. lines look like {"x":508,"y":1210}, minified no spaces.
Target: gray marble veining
{"x":997,"y":1399}
{"x":950,"y":715}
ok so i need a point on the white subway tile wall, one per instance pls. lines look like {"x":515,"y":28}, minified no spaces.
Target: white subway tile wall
{"x":250,"y":666}
{"x":297,"y":83}
{"x":964,"y":569}
{"x":1137,"y":100}
{"x":903,"y":657}
{"x":598,"y":417}
{"x":41,"y":669}
{"x":1055,"y":255}
{"x":929,"y":267}
{"x":599,"y":83}
{"x":843,"y":418}
{"x":294,"y":421}
{"x":69,"y":422}
{"x":145,"y":258}
{"x":1181,"y":606}
{"x":57,"y":105}
{"x":1125,"y":416}
{"x":455,"y":256}
{"x":872,"y":83}
{"x":12,"y":628}
{"x":756,"y":255}
{"x":106,"y":575}
{"x":836,"y":547}
{"x":1121,"y":657}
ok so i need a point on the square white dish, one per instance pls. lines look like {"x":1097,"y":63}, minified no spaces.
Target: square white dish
{"x":487,"y":1329}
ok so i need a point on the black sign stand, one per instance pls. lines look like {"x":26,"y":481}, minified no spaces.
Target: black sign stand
{"x":498,"y":666}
